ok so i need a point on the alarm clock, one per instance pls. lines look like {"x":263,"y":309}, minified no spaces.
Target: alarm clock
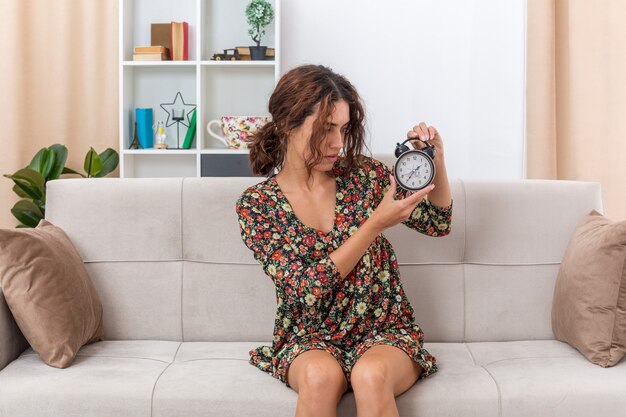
{"x":415,"y":168}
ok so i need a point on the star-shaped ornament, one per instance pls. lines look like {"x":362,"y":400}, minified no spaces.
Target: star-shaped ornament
{"x":174,"y":110}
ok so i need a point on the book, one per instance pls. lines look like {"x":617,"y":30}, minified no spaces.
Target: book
{"x":180,"y":44}
{"x":160,"y":34}
{"x":151,"y":57}
{"x":152,"y":49}
{"x":191,"y":131}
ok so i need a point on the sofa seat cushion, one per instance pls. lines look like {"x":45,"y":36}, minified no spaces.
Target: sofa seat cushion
{"x":217,"y":377}
{"x":551,"y":378}
{"x":112,"y":378}
{"x":168,"y":378}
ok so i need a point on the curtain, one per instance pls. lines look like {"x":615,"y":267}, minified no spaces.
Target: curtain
{"x":576,"y":95}
{"x":59,"y":83}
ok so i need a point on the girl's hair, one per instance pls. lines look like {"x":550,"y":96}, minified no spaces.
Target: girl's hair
{"x":296,"y":96}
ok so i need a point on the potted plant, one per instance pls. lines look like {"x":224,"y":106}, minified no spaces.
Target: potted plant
{"x":49,"y":164}
{"x":259,"y":14}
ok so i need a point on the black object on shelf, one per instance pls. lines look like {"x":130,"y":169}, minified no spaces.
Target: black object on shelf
{"x":177,"y":112}
{"x":225,"y":165}
{"x":135,"y":143}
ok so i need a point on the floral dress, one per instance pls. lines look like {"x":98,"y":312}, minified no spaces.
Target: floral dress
{"x":316,"y":307}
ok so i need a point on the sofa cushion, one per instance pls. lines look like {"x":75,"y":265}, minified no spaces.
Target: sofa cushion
{"x":550,"y":378}
{"x":173,"y":281}
{"x":107,"y":378}
{"x":589,"y":301}
{"x":165,"y":378}
{"x":49,"y":292}
{"x":216,"y":376}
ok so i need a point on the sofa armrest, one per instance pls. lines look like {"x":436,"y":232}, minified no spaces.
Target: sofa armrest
{"x":12,"y":341}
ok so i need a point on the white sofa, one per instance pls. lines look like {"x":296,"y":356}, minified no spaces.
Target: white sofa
{"x":184,"y":302}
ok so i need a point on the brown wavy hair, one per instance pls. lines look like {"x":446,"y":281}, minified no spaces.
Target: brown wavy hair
{"x":297,"y":95}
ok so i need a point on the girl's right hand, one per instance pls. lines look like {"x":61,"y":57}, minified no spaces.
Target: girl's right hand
{"x":391,"y":211}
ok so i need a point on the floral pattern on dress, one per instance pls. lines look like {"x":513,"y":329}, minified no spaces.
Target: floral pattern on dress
{"x":316,"y":307}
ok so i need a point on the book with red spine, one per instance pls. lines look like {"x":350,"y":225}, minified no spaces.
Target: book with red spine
{"x":180,"y":41}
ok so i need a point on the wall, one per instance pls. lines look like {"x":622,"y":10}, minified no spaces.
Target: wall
{"x":458,"y":65}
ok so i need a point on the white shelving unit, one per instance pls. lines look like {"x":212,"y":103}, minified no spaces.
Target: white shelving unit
{"x":217,"y":88}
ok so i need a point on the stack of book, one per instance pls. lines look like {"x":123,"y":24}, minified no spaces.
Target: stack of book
{"x":151,"y":53}
{"x":174,"y":36}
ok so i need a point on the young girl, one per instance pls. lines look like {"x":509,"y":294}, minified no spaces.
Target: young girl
{"x":343,"y":320}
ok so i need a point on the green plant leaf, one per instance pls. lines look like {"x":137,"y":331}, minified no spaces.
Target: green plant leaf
{"x":60,"y":152}
{"x":110,"y":159}
{"x":93,"y":164}
{"x":67,"y":170}
{"x":42,"y":162}
{"x":27,"y":212}
{"x":49,"y":163}
{"x":30,"y":181}
{"x":35,"y":163}
{"x":17,"y":189}
{"x":42,"y":206}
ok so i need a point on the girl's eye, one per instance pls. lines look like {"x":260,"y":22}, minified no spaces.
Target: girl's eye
{"x":344,"y":130}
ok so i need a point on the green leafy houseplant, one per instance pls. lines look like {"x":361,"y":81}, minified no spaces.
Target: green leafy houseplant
{"x":49,"y":164}
{"x":259,"y":14}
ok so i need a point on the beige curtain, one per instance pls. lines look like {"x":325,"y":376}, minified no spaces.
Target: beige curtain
{"x":58,"y":78}
{"x":576,"y":95}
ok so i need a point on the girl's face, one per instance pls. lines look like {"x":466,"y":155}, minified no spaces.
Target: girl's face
{"x":335,"y":135}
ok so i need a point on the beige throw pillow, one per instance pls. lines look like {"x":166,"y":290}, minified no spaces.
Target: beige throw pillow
{"x":49,"y":292}
{"x":589,"y":301}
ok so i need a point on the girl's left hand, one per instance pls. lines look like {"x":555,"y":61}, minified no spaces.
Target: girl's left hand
{"x":428,"y":134}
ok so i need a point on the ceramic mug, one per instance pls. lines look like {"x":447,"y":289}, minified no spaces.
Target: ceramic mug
{"x":236,"y":129}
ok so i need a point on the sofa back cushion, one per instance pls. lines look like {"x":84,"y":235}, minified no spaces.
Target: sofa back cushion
{"x":167,"y":258}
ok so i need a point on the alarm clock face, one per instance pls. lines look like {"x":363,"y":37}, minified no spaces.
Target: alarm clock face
{"x":414,"y":170}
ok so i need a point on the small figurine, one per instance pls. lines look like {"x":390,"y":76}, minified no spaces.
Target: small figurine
{"x":135,"y":143}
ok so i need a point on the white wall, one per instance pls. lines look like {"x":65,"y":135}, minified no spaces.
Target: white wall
{"x":458,"y":65}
